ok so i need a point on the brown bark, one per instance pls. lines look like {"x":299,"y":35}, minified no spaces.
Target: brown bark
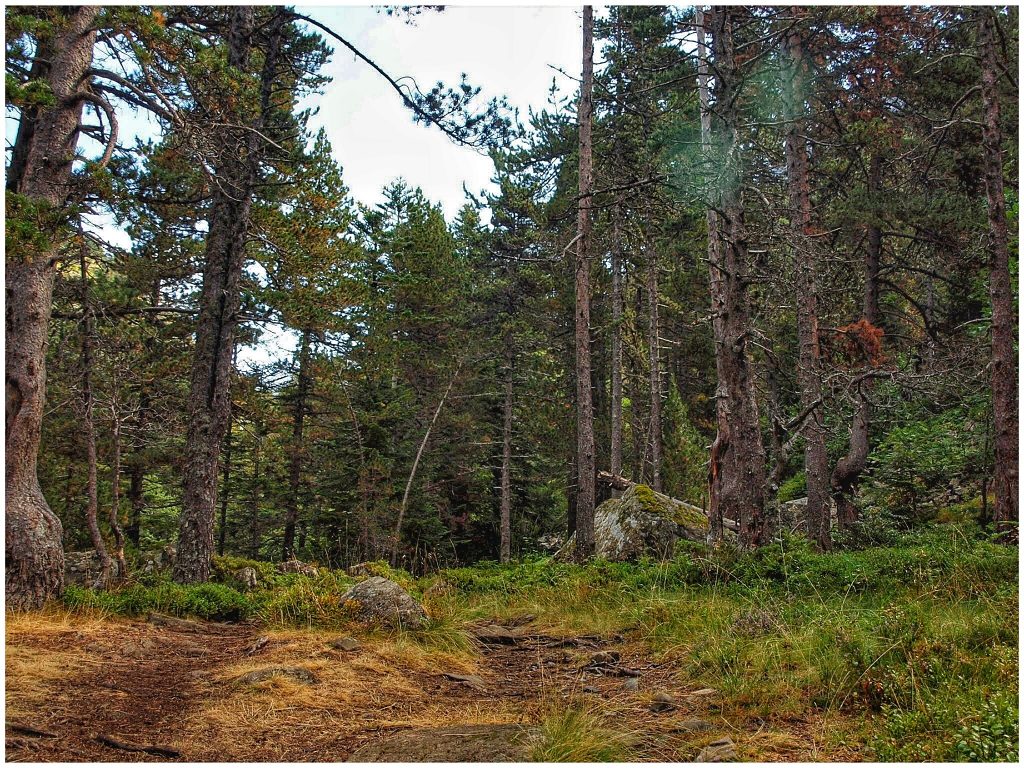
{"x":115,"y":494}
{"x":46,"y":141}
{"x":616,"y":361}
{"x":585,"y":488}
{"x":506,"y":454}
{"x":297,"y":448}
{"x":1004,"y":370}
{"x":136,"y":501}
{"x":219,"y":303}
{"x":805,"y":260}
{"x":721,"y":442}
{"x":225,"y":487}
{"x":738,"y":475}
{"x":654,"y":367}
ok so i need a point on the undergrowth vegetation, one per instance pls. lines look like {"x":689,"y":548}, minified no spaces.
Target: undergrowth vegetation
{"x":913,"y":647}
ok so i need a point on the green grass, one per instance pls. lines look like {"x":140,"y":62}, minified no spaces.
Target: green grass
{"x":574,"y":734}
{"x":913,"y":647}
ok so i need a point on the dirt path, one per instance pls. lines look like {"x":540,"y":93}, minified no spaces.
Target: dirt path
{"x":177,"y":686}
{"x":142,"y":684}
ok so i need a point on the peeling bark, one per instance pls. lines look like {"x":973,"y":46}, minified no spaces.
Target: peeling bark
{"x":44,"y":148}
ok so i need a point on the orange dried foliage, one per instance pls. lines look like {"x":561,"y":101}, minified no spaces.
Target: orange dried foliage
{"x":857,"y":344}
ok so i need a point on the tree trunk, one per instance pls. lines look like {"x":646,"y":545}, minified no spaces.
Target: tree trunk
{"x":738,"y":475}
{"x":225,"y":487}
{"x":297,"y":448}
{"x":654,"y":364}
{"x":720,"y":445}
{"x":256,"y":496}
{"x":805,"y":261}
{"x":415,"y":465}
{"x":136,"y":501}
{"x":1004,"y":370}
{"x":46,"y":141}
{"x":585,"y":489}
{"x":616,"y":361}
{"x":849,"y":468}
{"x":115,"y":494}
{"x":89,"y":429}
{"x":506,"y":453}
{"x":210,"y":396}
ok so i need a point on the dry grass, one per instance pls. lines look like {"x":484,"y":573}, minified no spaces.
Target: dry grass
{"x":389,"y":683}
{"x":35,"y":670}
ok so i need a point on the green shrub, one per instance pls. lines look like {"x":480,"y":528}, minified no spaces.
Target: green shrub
{"x":994,"y":737}
{"x":307,"y":601}
{"x":794,"y":488}
{"x":215,"y":602}
{"x":224,"y":568}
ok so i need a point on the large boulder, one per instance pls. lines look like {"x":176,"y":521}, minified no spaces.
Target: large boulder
{"x":791,"y":516}
{"x":81,"y":568}
{"x":382,"y":601}
{"x":297,"y":566}
{"x":645,"y":522}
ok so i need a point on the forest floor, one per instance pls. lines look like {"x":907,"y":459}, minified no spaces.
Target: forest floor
{"x":897,"y":653}
{"x":75,"y":685}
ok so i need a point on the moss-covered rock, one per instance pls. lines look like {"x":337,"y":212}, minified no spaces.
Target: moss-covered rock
{"x":645,"y":522}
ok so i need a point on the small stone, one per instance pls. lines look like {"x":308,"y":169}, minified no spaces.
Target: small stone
{"x":345,"y":644}
{"x":247,"y":576}
{"x":473,"y":681}
{"x":495,"y":634}
{"x":721,"y":751}
{"x":295,"y":673}
{"x":705,"y":692}
{"x":695,"y":726}
{"x":662,"y":702}
{"x":297,"y":566}
{"x":632,"y":684}
{"x":360,"y":569}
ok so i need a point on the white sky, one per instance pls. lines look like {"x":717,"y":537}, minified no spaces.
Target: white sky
{"x":505,"y":51}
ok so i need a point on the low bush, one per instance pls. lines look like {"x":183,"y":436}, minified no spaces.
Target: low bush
{"x":216,"y":602}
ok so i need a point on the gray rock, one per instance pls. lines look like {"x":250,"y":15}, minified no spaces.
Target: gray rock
{"x":81,"y":568}
{"x":247,"y":576}
{"x":295,"y":673}
{"x":345,"y":644}
{"x":791,"y":516}
{"x":662,"y":702}
{"x":643,"y":522}
{"x":495,"y":634}
{"x":359,"y":570}
{"x":704,"y":693}
{"x":721,"y":751}
{"x":382,"y":601}
{"x":695,"y":726}
{"x":473,"y":681}
{"x":297,"y":566}
{"x":452,"y":744}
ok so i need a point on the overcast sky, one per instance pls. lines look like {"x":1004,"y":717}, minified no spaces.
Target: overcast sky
{"x":506,"y":51}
